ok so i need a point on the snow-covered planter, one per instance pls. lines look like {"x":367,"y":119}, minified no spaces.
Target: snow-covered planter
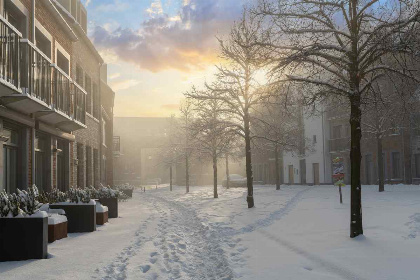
{"x":57,"y":223}
{"x":23,"y":228}
{"x":81,"y":216}
{"x":112,"y":204}
{"x":57,"y":227}
{"x":126,"y":189}
{"x":24,"y":238}
{"x":101,"y":214}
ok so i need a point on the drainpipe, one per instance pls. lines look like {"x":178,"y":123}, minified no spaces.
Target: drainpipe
{"x":101,"y":148}
{"x":33,"y":129}
{"x":33,"y":21}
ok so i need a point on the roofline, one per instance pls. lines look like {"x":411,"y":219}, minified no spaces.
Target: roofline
{"x":79,"y":30}
{"x":61,"y":20}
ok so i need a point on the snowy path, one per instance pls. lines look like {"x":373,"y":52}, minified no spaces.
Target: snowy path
{"x":181,"y":247}
{"x":299,"y":232}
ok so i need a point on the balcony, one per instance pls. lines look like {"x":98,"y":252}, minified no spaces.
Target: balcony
{"x":339,"y":145}
{"x":31,"y":84}
{"x":9,"y":58}
{"x":34,"y":79}
{"x":116,"y":143}
{"x":77,"y":109}
{"x":59,"y":113}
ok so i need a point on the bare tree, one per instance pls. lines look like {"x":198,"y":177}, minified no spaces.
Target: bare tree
{"x":342,"y":47}
{"x":170,"y":151}
{"x":237,"y":81}
{"x":385,"y":110}
{"x":277,"y":127}
{"x":209,"y":127}
{"x":187,"y":115}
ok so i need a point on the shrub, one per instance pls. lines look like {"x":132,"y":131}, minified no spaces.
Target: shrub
{"x":79,"y":195}
{"x":28,"y":200}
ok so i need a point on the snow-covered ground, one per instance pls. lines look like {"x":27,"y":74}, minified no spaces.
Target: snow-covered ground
{"x":299,"y":232}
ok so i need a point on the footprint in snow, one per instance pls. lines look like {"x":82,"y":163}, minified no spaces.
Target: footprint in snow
{"x":152,"y":254}
{"x":145,"y":268}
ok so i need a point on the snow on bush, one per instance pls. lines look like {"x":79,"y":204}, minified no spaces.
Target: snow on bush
{"x":28,"y":200}
{"x":54,"y":196}
{"x":22,"y":204}
{"x":124,"y":187}
{"x":79,"y":195}
{"x":107,"y":192}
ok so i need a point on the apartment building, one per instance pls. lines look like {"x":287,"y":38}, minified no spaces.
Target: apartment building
{"x":56,"y":106}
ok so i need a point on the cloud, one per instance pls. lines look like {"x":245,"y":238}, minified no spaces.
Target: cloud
{"x":185,"y":42}
{"x":155,"y":8}
{"x":114,"y":76}
{"x":123,"y":84}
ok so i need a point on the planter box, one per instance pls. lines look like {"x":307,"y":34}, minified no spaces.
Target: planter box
{"x":23,"y":238}
{"x":101,"y":218}
{"x":57,"y":232}
{"x":127,"y":192}
{"x":80,"y":217}
{"x":112,"y":204}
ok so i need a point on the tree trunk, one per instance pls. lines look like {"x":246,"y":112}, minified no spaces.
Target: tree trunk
{"x":170,"y":178}
{"x":341,"y":194}
{"x":187,"y":174}
{"x":227,"y":171}
{"x":380,"y":164}
{"x":276,"y":154}
{"x":356,"y":227}
{"x":249,"y":179}
{"x":215,"y":176}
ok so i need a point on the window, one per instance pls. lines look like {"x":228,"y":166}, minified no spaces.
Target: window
{"x":417,"y":165}
{"x":79,"y":76}
{"x":62,"y":164}
{"x":396,"y":165}
{"x":80,"y":166}
{"x":95,"y":166}
{"x":95,"y":101}
{"x":103,"y":169}
{"x":89,"y":173}
{"x":88,"y":88}
{"x":103,"y":132}
{"x":15,"y":17}
{"x":314,"y":139}
{"x":42,"y":43}
{"x":336,"y":132}
{"x":10,"y":160}
{"x":63,"y":62}
{"x":41,"y":163}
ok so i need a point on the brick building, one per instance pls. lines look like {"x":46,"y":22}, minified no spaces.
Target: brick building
{"x":56,"y":107}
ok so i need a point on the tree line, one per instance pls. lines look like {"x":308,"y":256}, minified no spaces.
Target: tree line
{"x":282,"y":57}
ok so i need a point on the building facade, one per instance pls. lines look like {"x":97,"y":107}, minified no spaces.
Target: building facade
{"x":56,"y":107}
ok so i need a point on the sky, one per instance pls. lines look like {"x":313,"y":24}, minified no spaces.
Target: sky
{"x":157,"y":49}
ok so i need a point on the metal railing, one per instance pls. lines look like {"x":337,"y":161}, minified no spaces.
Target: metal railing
{"x":35,"y":72}
{"x":9,"y":53}
{"x":61,"y":91}
{"x":79,"y":102}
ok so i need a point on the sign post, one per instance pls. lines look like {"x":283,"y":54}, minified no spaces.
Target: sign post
{"x":338,"y":175}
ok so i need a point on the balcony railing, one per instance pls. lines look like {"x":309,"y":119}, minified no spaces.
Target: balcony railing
{"x":339,"y":145}
{"x":61,"y":91}
{"x":79,"y":102}
{"x":9,"y":53}
{"x":35,"y":72}
{"x":117,"y":144}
